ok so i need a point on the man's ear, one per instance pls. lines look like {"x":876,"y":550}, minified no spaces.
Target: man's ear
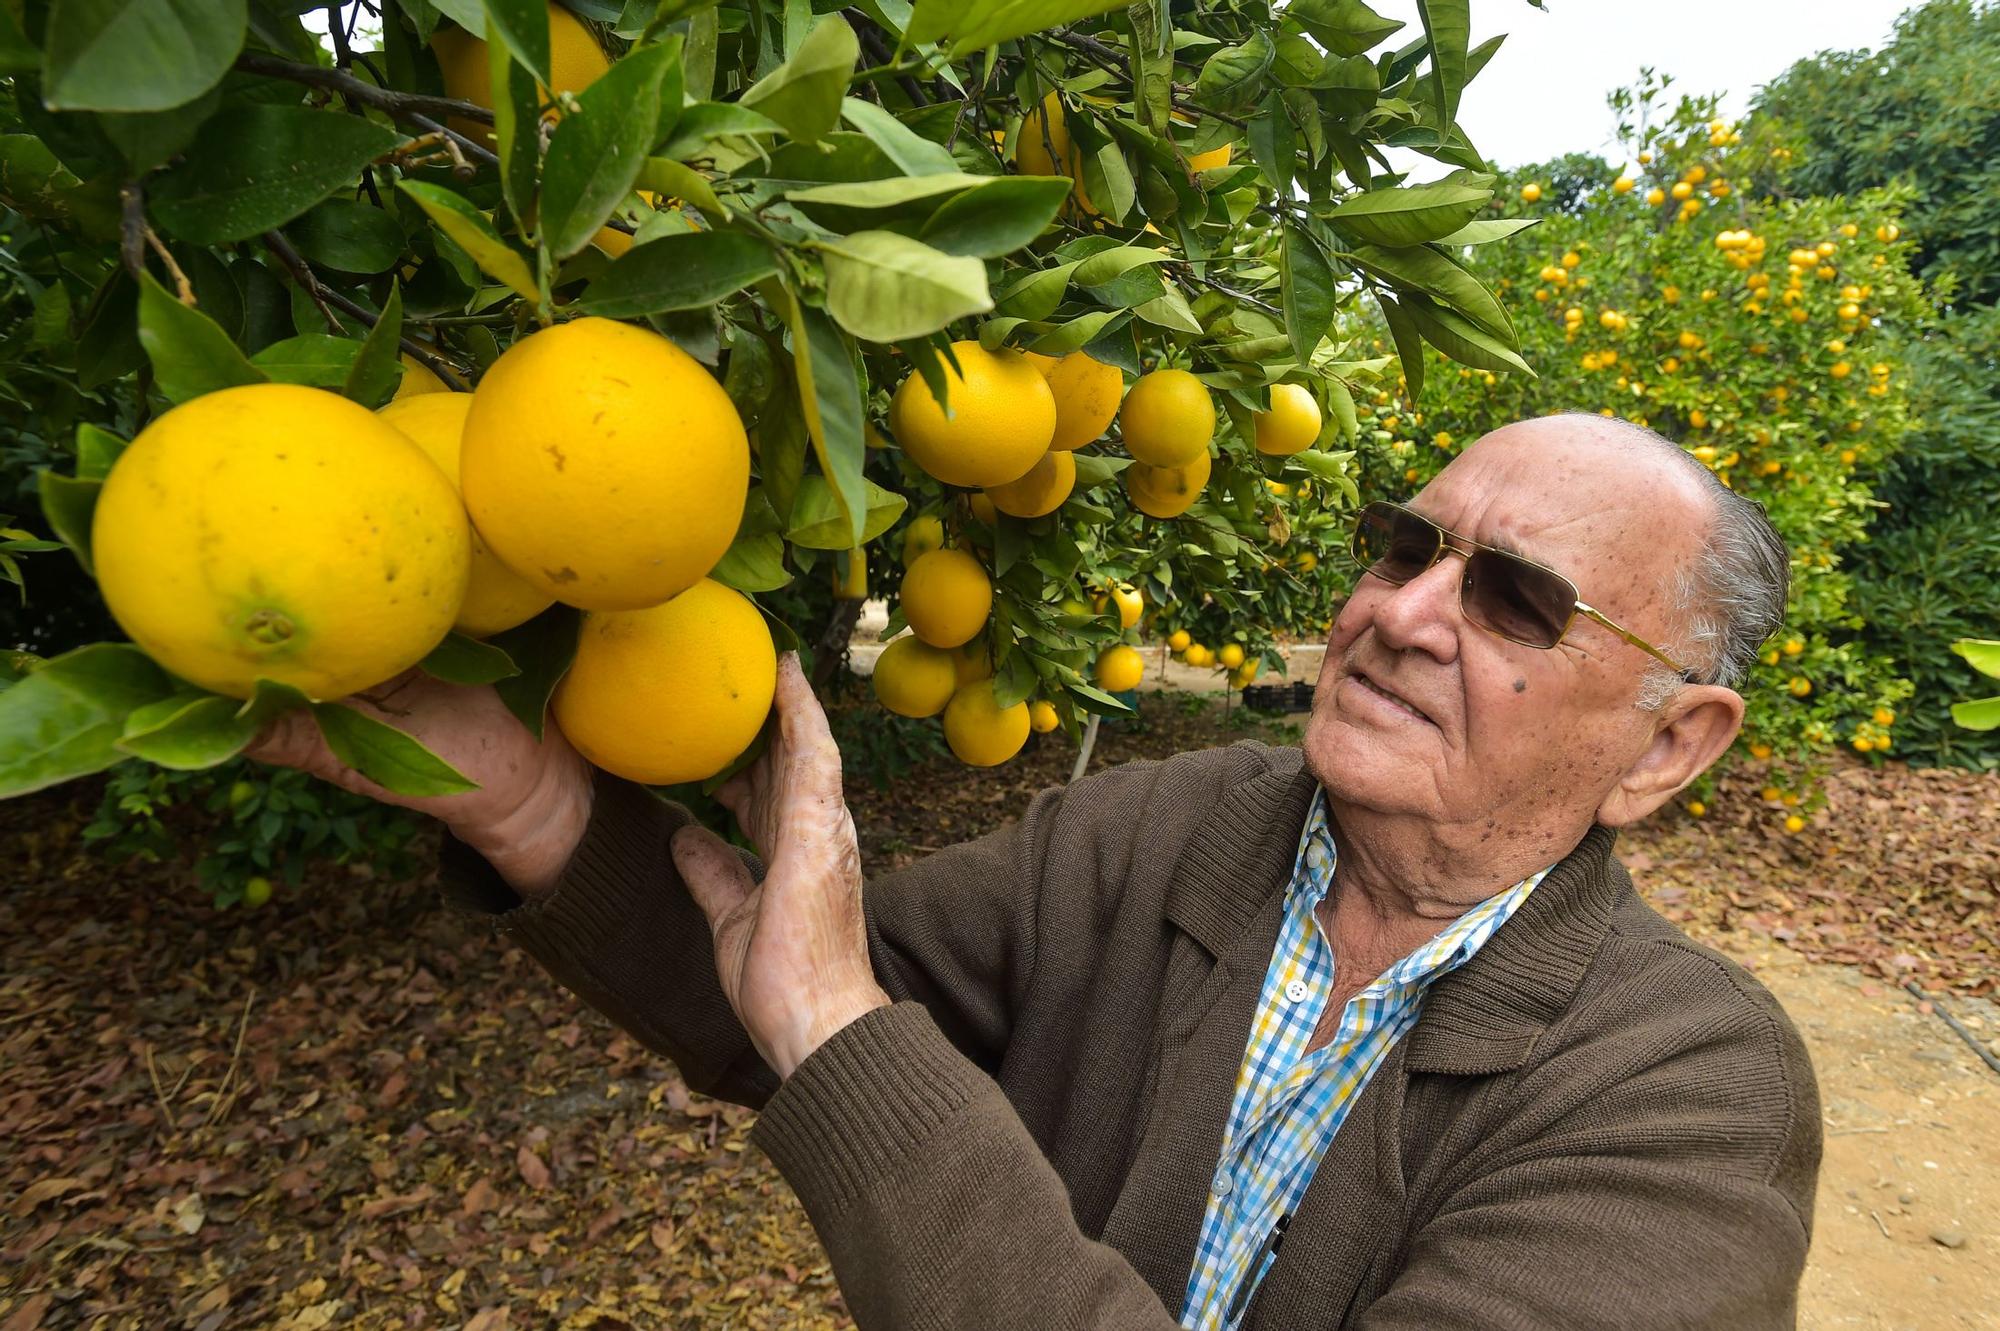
{"x":1689,"y":734}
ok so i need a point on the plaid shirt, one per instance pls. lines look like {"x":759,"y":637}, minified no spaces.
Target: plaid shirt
{"x":1288,"y":1104}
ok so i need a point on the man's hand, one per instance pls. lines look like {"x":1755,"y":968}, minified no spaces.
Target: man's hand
{"x":792,"y":951}
{"x":533,"y":801}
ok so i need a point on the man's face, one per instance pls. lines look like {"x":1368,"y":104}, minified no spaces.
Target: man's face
{"x":1488,"y":730}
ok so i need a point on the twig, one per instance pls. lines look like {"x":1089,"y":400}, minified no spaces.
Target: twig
{"x":1110,"y":60}
{"x":1986,"y":1055}
{"x":327,"y":300}
{"x":343,"y":50}
{"x":1878,"y":1222}
{"x":877,"y":49}
{"x":182,"y":287}
{"x":388,"y":100}
{"x":132,"y":228}
{"x":222,"y":1103}
{"x":166,"y":1110}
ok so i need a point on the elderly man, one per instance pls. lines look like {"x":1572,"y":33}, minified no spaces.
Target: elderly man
{"x":1371,"y":1035}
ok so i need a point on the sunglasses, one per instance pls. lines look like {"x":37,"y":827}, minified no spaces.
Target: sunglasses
{"x":1508,"y":596}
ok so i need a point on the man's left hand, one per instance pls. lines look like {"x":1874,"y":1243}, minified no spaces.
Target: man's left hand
{"x":792,"y":951}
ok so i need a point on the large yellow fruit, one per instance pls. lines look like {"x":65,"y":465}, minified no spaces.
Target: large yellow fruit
{"x":1166,"y":492}
{"x":923,"y":535}
{"x":1292,"y":423}
{"x":1211,"y":159}
{"x":1131,"y":604}
{"x":575,"y":62}
{"x":1002,"y":418}
{"x":913,"y":678}
{"x":282,"y":533}
{"x":1120,"y":668}
{"x":1042,"y":716}
{"x":1086,"y":393}
{"x":972,"y":662}
{"x":418,"y":378}
{"x":1041,"y":491}
{"x":496,"y":597}
{"x":1167,"y":418}
{"x":980,"y":731}
{"x":946,"y":597}
{"x":673,"y":692}
{"x":603,"y":464}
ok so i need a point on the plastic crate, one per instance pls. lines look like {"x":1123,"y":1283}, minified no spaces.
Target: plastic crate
{"x":1296,"y":696}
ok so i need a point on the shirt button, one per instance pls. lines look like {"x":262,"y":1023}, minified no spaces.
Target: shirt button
{"x":1296,"y":991}
{"x":1222,"y":1183}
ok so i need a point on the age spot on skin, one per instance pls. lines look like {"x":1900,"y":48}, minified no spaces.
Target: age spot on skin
{"x":1520,"y":686}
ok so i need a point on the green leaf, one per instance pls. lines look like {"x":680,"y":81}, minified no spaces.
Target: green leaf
{"x":892,"y":192}
{"x":705,"y":122}
{"x":462,"y":660}
{"x":188,"y":731}
{"x":1234,"y":76}
{"x":1081,"y":331}
{"x":17,"y":54}
{"x":996,"y":219}
{"x":348,"y":236}
{"x":819,"y":524}
{"x":1422,"y":269}
{"x":1273,"y":143}
{"x":385,"y":755}
{"x":96,"y":450}
{"x":1306,"y":287}
{"x":137,"y":55}
{"x":1488,"y":230}
{"x":1093,"y":699}
{"x":1343,"y":407}
{"x":542,"y":648}
{"x":63,"y":720}
{"x":1094,"y":469}
{"x":1982,"y":654}
{"x":523,"y":26}
{"x":756,"y":561}
{"x":974,"y":25}
{"x":804,"y":94}
{"x":1409,"y":342}
{"x":148,"y":139}
{"x":190,"y":355}
{"x":472,"y":232}
{"x":1344,"y":27}
{"x":1447,"y":31}
{"x":663,"y":175}
{"x":378,"y":371}
{"x":595,"y":156}
{"x":68,"y":504}
{"x":259,"y":167}
{"x":318,"y":360}
{"x":517,"y":129}
{"x":913,"y":154}
{"x":883,"y":287}
{"x":1461,"y":339}
{"x":1112,"y":263}
{"x":689,"y":271}
{"x":1410,"y":215}
{"x":1981,"y":714}
{"x":830,"y":398}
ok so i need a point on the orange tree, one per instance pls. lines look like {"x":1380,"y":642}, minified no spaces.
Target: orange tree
{"x":1757,"y":334}
{"x":709,"y":316}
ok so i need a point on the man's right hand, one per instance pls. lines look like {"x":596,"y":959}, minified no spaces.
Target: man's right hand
{"x":533,"y":801}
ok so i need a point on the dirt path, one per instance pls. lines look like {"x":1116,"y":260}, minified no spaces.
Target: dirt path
{"x":1912,"y":1159}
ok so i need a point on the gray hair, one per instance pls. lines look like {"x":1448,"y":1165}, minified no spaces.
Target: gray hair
{"x":1731,"y":597}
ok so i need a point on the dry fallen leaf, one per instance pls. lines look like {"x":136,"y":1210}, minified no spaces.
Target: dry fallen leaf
{"x":534,"y":1172}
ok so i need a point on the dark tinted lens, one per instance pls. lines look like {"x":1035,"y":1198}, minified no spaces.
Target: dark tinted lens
{"x":1392,"y":544}
{"x":1516,"y":599}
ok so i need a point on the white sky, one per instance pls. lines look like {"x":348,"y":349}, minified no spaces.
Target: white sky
{"x":1543,"y":94}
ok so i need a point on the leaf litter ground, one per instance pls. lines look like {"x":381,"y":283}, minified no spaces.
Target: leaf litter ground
{"x":352,"y":1109}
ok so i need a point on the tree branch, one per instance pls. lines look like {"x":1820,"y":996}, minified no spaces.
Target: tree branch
{"x":132,"y":228}
{"x":1111,"y":60}
{"x":413,"y":107}
{"x":327,"y":300}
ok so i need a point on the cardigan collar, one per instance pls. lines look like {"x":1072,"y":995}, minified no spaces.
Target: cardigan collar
{"x":1483,"y":1017}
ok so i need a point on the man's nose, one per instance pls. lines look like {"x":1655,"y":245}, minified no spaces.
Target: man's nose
{"x":1424,"y":614}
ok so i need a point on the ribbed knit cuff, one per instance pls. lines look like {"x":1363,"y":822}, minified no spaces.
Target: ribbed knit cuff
{"x":863,"y":1103}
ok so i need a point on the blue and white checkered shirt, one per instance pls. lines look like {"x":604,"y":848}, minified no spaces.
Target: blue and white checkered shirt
{"x":1288,"y":1104}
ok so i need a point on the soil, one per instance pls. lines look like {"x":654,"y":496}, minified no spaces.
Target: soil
{"x":351,"y":1109}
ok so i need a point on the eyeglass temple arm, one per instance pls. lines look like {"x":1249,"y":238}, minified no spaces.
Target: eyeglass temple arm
{"x":1683,"y":671}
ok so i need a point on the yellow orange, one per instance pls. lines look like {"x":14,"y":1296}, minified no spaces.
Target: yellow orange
{"x":1001,"y":420}
{"x":1041,"y":491}
{"x":575,"y":62}
{"x":946,"y":597}
{"x":1166,"y":492}
{"x":673,"y":692}
{"x":277,"y":532}
{"x":603,"y":464}
{"x":496,"y":597}
{"x":1120,"y":668}
{"x":913,"y":678}
{"x":418,"y":378}
{"x":1292,"y":423}
{"x":1086,"y":392}
{"x":982,"y":733}
{"x":1167,"y":418}
{"x":1042,"y":716}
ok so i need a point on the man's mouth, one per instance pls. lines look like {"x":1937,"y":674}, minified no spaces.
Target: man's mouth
{"x":1397,"y":699}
